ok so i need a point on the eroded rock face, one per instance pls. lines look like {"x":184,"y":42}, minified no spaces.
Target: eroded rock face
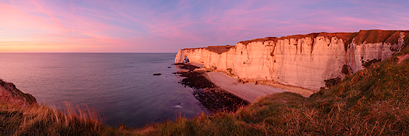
{"x":10,"y":94}
{"x":300,"y":60}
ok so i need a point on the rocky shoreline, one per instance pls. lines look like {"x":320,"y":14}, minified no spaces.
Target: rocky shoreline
{"x":213,"y":98}
{"x":10,"y":94}
{"x":306,"y":61}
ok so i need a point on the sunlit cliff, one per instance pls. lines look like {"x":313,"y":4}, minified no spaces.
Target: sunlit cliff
{"x":300,"y":60}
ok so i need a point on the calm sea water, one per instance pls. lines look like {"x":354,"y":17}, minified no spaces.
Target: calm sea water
{"x":119,"y":86}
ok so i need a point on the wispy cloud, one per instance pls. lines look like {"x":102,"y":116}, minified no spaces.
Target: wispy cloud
{"x":40,"y":4}
{"x":166,"y":26}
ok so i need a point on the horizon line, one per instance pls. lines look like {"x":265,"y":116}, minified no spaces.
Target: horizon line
{"x":84,"y":52}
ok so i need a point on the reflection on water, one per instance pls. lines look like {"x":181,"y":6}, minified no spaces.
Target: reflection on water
{"x":119,"y":86}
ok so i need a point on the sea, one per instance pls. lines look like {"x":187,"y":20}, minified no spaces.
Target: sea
{"x":120,"y":87}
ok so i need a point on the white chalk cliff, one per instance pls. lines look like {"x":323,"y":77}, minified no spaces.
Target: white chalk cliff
{"x":300,"y":60}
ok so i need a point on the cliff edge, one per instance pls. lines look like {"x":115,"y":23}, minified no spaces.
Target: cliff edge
{"x":10,"y":94}
{"x":309,"y":61}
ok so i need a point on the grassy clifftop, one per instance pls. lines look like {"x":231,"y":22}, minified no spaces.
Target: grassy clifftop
{"x":363,"y":36}
{"x":370,"y":102}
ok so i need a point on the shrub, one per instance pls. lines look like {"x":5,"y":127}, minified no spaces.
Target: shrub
{"x":332,"y":81}
{"x":346,"y":69}
{"x":369,"y":63}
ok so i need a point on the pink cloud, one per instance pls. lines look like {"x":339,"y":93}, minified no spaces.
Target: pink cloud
{"x":40,"y":4}
{"x":104,"y":25}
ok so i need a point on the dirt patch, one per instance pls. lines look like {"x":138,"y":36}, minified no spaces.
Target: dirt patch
{"x":295,"y":89}
{"x":402,"y":58}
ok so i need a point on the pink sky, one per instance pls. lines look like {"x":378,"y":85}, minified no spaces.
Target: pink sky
{"x":167,"y":26}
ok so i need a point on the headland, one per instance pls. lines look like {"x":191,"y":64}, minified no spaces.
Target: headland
{"x":299,"y":63}
{"x":369,"y":101}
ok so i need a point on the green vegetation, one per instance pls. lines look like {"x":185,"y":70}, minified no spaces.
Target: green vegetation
{"x":346,"y":69}
{"x":332,"y":81}
{"x":219,"y":49}
{"x":369,"y":102}
{"x":377,"y":36}
{"x":363,"y":36}
{"x":259,"y":40}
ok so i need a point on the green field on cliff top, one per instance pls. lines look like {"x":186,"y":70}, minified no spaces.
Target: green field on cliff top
{"x":373,"y":101}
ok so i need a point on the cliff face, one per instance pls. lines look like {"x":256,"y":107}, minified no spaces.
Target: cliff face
{"x":300,"y":60}
{"x":10,"y":94}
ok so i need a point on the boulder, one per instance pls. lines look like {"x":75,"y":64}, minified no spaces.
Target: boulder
{"x":10,"y":94}
{"x":157,"y":74}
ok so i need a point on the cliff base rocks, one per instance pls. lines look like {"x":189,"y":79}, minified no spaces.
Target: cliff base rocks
{"x":210,"y":96}
{"x":305,"y":61}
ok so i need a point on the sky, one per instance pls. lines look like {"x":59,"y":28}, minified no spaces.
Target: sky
{"x":159,"y":26}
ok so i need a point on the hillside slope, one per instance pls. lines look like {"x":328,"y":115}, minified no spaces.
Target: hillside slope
{"x":372,"y":101}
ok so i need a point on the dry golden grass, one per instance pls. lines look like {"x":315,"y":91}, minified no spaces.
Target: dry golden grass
{"x":370,"y":102}
{"x":363,"y":36}
{"x":373,"y":101}
{"x":41,"y":120}
{"x":219,"y":49}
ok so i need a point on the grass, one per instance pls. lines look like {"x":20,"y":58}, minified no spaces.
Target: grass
{"x":215,"y":49}
{"x":377,"y":36}
{"x":363,"y":36}
{"x":372,"y":101}
{"x":259,"y":40}
{"x":219,"y":49}
{"x":41,"y":120}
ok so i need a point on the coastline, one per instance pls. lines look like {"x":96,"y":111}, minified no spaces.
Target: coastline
{"x":245,"y":90}
{"x":290,"y":88}
{"x":211,"y":97}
